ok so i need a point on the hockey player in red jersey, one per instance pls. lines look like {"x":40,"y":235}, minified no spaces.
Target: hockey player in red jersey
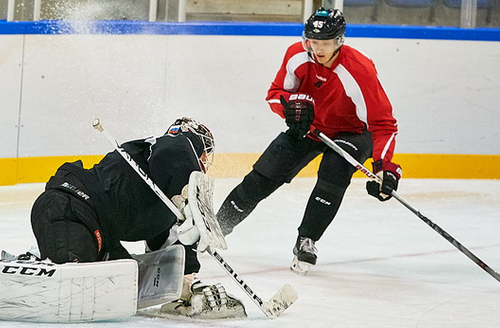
{"x":326,"y":85}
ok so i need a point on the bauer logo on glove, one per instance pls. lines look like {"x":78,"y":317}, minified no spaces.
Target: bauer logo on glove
{"x":301,"y":96}
{"x":298,"y":113}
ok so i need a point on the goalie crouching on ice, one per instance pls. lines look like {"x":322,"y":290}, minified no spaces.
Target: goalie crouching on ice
{"x":83,"y":214}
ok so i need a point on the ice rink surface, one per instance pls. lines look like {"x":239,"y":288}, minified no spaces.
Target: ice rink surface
{"x":379,"y":265}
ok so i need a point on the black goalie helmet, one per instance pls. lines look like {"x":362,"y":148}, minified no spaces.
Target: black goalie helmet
{"x":187,"y":124}
{"x":325,"y":24}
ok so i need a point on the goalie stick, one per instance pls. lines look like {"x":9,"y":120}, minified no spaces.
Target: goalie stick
{"x":273,"y":308}
{"x":329,"y":142}
{"x":276,"y":304}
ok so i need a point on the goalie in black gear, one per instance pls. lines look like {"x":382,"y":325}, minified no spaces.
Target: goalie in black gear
{"x":83,"y":214}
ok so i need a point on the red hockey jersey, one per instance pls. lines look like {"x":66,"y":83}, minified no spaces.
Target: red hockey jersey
{"x":348,"y":96}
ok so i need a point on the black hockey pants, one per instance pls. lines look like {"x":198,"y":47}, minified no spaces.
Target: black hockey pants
{"x":281,"y":162}
{"x":65,"y":228}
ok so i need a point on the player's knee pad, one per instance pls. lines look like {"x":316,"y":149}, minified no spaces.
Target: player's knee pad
{"x":335,"y":175}
{"x":254,"y":188}
{"x":334,"y":188}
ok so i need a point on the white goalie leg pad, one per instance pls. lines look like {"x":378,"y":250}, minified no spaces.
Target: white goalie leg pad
{"x":200,"y":196}
{"x":40,"y":291}
{"x":160,"y":275}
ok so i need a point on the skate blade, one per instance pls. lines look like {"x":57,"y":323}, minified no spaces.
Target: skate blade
{"x":299,"y":267}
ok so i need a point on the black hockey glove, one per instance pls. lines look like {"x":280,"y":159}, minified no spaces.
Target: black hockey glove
{"x":389,"y":173}
{"x":299,"y":114}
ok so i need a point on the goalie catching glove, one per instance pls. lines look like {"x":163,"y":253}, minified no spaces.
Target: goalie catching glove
{"x":198,"y":222}
{"x":299,"y":114}
{"x":389,"y":174}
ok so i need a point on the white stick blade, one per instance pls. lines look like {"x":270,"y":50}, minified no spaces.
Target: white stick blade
{"x":281,"y":301}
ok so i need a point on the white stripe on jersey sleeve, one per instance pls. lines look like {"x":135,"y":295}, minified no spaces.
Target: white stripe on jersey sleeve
{"x":291,"y":83}
{"x":387,"y":145}
{"x":353,"y":90}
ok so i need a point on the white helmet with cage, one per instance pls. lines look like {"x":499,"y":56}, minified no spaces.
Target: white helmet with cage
{"x":187,"y":124}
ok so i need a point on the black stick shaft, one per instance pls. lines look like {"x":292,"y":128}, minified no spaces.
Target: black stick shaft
{"x":329,"y":142}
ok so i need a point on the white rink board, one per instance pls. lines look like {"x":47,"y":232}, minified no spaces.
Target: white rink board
{"x":138,"y":84}
{"x":11,"y":51}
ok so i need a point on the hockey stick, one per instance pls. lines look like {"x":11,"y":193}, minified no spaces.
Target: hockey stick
{"x":329,"y":142}
{"x":276,"y":304}
{"x":272,"y":308}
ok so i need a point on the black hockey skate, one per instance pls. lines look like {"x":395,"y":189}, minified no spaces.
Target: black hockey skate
{"x":305,"y":255}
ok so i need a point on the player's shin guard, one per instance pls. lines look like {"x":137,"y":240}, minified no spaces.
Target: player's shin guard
{"x":321,"y":209}
{"x":233,"y":211}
